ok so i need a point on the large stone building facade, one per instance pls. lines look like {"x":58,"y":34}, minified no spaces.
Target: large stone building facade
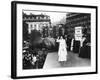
{"x":78,"y":20}
{"x":38,"y":22}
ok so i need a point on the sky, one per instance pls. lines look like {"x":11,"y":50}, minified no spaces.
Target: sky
{"x":54,"y":16}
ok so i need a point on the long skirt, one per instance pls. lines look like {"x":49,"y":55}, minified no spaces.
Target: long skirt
{"x":62,"y":53}
{"x":76,"y":46}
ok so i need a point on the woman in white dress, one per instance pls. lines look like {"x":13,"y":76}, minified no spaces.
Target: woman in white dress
{"x":62,"y":52}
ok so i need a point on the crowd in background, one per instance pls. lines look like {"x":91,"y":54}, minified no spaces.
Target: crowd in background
{"x":36,"y":48}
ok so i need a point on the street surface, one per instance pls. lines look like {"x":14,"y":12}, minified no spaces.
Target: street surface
{"x":72,"y":61}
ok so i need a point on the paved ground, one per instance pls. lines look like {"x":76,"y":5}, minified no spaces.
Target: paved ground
{"x":72,"y":61}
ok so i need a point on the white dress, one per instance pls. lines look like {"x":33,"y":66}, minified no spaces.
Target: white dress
{"x":62,"y":52}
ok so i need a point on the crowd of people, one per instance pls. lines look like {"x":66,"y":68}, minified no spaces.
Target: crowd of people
{"x":33,"y":59}
{"x":35,"y":53}
{"x":81,"y":47}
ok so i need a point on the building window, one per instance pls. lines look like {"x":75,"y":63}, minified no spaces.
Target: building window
{"x":31,"y":27}
{"x":48,"y":17}
{"x":35,"y":26}
{"x":46,"y":25}
{"x":37,"y":18}
{"x":33,"y":18}
{"x":45,"y":17}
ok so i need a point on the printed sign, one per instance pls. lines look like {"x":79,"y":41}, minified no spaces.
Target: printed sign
{"x":78,"y":33}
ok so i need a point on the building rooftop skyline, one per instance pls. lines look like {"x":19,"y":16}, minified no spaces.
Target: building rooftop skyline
{"x":55,"y":17}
